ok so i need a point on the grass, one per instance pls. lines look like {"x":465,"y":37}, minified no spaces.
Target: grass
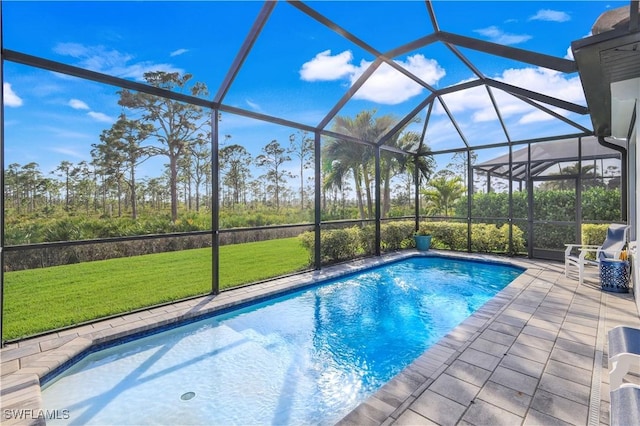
{"x":38,"y":300}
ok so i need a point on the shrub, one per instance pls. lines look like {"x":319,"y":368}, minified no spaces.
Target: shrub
{"x":397,"y":235}
{"x":519,"y":244}
{"x":446,"y":235}
{"x":393,"y":236}
{"x":601,"y":204}
{"x":485,"y":237}
{"x":335,"y":244}
{"x":64,"y":230}
{"x":597,"y":204}
{"x":594,"y":234}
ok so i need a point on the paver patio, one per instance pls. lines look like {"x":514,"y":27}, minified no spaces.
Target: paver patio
{"x":535,"y":354}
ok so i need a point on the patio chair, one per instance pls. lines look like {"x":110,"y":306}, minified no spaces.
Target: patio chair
{"x":613,"y":245}
{"x":625,"y":405}
{"x":624,"y":352}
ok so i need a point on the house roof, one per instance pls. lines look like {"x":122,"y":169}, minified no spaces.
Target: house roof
{"x":545,"y":156}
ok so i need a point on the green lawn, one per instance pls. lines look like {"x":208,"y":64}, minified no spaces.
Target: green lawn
{"x":37,"y":300}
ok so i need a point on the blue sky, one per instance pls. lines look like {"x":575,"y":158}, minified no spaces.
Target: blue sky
{"x":297,"y":70}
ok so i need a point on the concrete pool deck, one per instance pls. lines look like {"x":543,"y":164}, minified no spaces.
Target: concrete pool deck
{"x":535,"y":354}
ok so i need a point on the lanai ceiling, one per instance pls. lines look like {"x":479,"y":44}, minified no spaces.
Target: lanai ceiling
{"x":432,"y":41}
{"x":431,"y":106}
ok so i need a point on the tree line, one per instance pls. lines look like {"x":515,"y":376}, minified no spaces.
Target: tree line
{"x":180,"y":133}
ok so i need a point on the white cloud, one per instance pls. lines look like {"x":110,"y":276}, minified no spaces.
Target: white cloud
{"x":537,"y":116}
{"x":11,"y":99}
{"x":67,"y":151}
{"x":551,"y":16}
{"x":496,"y":35}
{"x":386,"y":85}
{"x":136,"y":71}
{"x":254,"y":106}
{"x":98,"y":116}
{"x":569,"y":54}
{"x":546,"y":81}
{"x":476,"y":102}
{"x":78,"y":104}
{"x":66,"y":134}
{"x":74,"y":50}
{"x":178,"y":52}
{"x":109,"y":61}
{"x":324,"y":67}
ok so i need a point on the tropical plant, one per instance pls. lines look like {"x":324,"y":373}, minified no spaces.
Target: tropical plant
{"x":442,"y":193}
{"x":345,"y":158}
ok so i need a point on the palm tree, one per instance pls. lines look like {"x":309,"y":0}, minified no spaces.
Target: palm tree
{"x":357,"y":157}
{"x":442,"y":193}
{"x":588,"y":172}
{"x":393,"y":164}
{"x":343,"y":159}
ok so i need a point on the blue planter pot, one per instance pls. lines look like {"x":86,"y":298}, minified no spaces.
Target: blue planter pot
{"x":423,"y":242}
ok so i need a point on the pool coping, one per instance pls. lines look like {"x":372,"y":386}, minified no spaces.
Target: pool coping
{"x":24,"y":363}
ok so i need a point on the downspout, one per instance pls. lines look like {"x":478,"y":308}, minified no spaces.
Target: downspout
{"x":623,"y":178}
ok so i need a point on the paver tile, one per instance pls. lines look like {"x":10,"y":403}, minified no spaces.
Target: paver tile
{"x":395,"y":392}
{"x":512,"y":400}
{"x":468,"y":372}
{"x":547,"y":322}
{"x":589,"y":321}
{"x":529,"y":352}
{"x":542,"y":333}
{"x":524,"y":307}
{"x":575,"y":347}
{"x":517,"y":313}
{"x":577,"y":336}
{"x":455,"y":389}
{"x":483,"y":413}
{"x":489,"y":347}
{"x":559,"y":407}
{"x":570,"y":372}
{"x":19,"y":352}
{"x":505,"y":328}
{"x":572,"y":358}
{"x":9,"y":367}
{"x":536,"y":342}
{"x":514,"y":380}
{"x":497,"y":337}
{"x":480,"y":359}
{"x":506,"y":319}
{"x":411,"y":418}
{"x":565,"y":388}
{"x":367,"y":414}
{"x":536,"y":418}
{"x":523,"y":365}
{"x":437,"y":408}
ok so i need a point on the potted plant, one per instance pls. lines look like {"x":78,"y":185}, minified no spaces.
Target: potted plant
{"x":422,"y":238}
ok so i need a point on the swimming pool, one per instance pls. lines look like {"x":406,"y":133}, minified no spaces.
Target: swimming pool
{"x":308,"y":357}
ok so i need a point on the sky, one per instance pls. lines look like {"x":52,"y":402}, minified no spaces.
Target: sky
{"x":297,"y":70}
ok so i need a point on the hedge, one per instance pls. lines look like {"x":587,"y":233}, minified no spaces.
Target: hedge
{"x":348,"y":243}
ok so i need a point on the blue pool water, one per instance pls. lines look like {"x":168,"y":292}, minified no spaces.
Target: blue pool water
{"x":308,"y":357}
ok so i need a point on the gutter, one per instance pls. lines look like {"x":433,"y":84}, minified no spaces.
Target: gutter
{"x":624,"y":173}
